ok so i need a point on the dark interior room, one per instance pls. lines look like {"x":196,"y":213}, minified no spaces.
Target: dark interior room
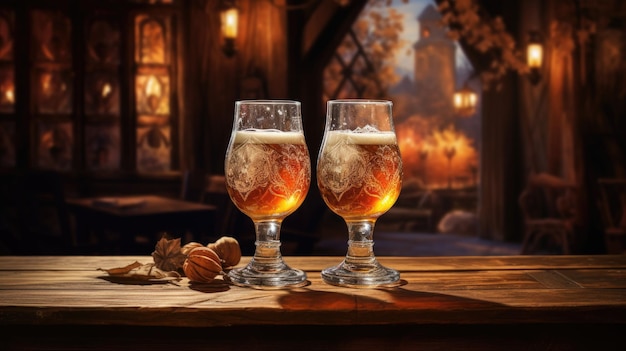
{"x":110,"y":99}
{"x":477,"y":147}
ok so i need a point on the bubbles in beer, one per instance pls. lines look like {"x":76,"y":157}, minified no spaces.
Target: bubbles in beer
{"x":366,"y":129}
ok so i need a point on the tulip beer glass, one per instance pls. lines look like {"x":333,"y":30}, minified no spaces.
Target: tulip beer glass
{"x":268,"y":174}
{"x":359,"y":174}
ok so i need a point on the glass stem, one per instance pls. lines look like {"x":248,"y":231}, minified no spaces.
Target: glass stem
{"x":267,"y":252}
{"x":360,"y":243}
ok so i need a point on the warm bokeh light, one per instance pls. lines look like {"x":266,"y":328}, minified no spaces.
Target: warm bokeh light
{"x":438,"y":157}
{"x":230,"y":20}
{"x":153,"y":87}
{"x":534,"y":55}
{"x":106,"y":90}
{"x":9,"y":96}
{"x":465,"y":101}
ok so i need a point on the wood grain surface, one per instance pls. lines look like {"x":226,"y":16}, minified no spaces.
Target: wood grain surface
{"x":493,"y":292}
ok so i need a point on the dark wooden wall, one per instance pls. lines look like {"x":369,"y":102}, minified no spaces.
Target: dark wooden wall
{"x":282,"y":47}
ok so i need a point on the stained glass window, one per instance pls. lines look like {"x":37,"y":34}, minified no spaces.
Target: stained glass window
{"x":7,"y":90}
{"x":99,"y":86}
{"x":52,"y":88}
{"x":102,"y":94}
{"x":102,"y":145}
{"x":7,"y":64}
{"x":55,"y":145}
{"x":152,"y":92}
{"x":7,"y":87}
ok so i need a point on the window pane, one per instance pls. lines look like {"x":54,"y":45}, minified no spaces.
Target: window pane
{"x":153,"y":148}
{"x":55,"y":145}
{"x":333,"y":73}
{"x":153,"y":94}
{"x":6,"y":35}
{"x":102,"y":146}
{"x":151,"y":39}
{"x":102,"y":93}
{"x":51,"y":36}
{"x":53,"y":91}
{"x":7,"y":89}
{"x":103,"y":42}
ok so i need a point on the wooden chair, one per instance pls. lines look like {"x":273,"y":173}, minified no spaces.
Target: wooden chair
{"x":613,"y":210}
{"x":548,"y":204}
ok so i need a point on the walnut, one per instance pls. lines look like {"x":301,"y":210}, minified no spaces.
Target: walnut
{"x":228,"y":250}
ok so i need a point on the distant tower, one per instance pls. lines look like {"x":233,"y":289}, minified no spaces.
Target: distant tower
{"x":434,"y":66}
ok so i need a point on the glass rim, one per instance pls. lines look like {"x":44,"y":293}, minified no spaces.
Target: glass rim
{"x":360,"y":101}
{"x":267,"y":102}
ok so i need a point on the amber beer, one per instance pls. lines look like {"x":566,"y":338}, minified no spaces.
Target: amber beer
{"x":360,"y":174}
{"x":268,"y":173}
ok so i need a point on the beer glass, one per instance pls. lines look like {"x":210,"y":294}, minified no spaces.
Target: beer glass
{"x":359,"y":174}
{"x":268,"y":174}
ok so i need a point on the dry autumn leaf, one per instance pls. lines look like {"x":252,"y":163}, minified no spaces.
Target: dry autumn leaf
{"x":167,"y":254}
{"x":140,"y":273}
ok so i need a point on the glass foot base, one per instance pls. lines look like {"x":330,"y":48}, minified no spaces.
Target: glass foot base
{"x":262,"y":277}
{"x":369,"y":276}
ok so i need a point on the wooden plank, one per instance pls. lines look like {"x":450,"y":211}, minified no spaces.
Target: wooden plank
{"x":62,"y":290}
{"x":67,"y":263}
{"x":91,"y":291}
{"x":553,"y":279}
{"x":453,"y":280}
{"x":316,"y":263}
{"x":183,"y":308}
{"x":589,"y":278}
{"x":424,"y":281}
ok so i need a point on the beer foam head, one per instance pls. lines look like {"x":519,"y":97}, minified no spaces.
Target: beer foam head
{"x":377,"y":138}
{"x":268,"y":137}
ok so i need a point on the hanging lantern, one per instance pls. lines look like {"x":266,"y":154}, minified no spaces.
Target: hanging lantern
{"x":465,"y":101}
{"x":229,"y":16}
{"x":534,"y":57}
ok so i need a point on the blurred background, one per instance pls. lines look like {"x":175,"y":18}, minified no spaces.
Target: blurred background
{"x":509,"y":117}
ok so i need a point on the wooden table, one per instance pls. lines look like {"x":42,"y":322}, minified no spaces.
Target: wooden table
{"x":481,"y":303}
{"x":154,"y":214}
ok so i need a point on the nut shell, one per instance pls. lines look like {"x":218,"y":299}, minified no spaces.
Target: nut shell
{"x":228,"y":249}
{"x":202,"y":265}
{"x":189,"y":246}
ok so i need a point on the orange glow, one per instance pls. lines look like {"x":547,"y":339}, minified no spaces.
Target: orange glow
{"x":106,"y":90}
{"x":534,"y":55}
{"x":8,"y":94}
{"x":230,"y":20}
{"x":153,"y":88}
{"x":465,"y":102}
{"x":46,"y":80}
